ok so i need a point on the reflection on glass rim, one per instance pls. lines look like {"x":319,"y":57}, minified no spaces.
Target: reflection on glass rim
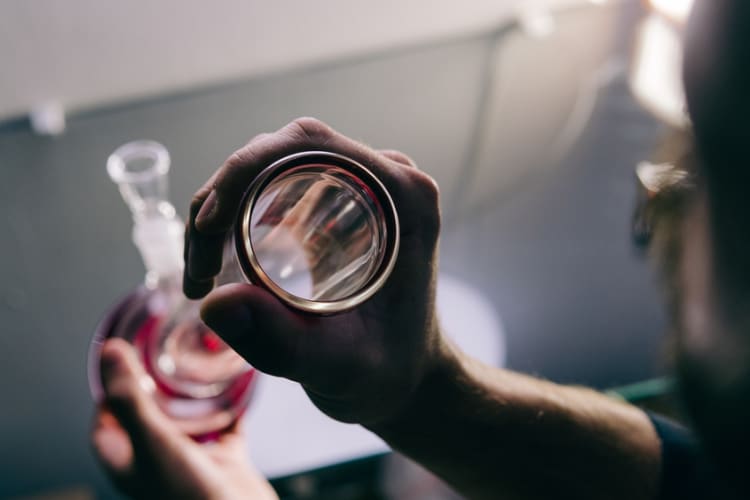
{"x":373,"y":188}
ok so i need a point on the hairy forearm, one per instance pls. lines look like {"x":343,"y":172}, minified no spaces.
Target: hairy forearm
{"x":496,"y":434}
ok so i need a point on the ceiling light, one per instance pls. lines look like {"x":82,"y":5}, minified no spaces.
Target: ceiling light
{"x":655,"y":76}
{"x":676,"y":10}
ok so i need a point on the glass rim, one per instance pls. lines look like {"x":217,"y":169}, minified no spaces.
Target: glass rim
{"x":118,"y":161}
{"x":247,"y":258}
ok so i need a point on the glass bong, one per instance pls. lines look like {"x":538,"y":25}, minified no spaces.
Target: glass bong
{"x":316,"y":229}
{"x":199,"y":381}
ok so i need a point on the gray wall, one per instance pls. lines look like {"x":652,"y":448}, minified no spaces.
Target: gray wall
{"x":579,"y":304}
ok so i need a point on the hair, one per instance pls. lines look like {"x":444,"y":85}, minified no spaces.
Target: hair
{"x":666,"y":211}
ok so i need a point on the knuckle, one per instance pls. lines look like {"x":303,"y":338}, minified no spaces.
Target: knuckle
{"x":233,"y":176}
{"x":236,"y":160}
{"x":259,"y":138}
{"x":122,"y":394}
{"x":311,"y":131}
{"x":429,"y":193}
{"x":427,"y":187}
{"x":400,"y":157}
{"x":196,"y":202}
{"x":431,"y":224}
{"x":431,"y":189}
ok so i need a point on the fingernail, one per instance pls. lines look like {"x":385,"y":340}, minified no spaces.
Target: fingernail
{"x":231,"y":322}
{"x":113,"y":448}
{"x":207,"y":209}
{"x":196,"y":289}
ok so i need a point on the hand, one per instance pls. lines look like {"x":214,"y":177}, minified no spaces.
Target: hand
{"x":148,"y":457}
{"x":360,"y":366}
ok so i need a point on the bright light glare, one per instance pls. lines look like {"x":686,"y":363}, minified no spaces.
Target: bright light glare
{"x":677,"y":10}
{"x":655,"y":75}
{"x":468,"y":317}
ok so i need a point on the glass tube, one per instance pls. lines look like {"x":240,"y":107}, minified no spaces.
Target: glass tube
{"x":201,"y":383}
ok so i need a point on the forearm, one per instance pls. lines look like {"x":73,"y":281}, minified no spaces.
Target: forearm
{"x":493,"y":433}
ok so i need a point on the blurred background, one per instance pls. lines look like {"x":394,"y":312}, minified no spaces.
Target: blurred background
{"x":531,"y":114}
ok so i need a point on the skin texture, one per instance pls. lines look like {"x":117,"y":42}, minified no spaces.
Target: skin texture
{"x":146,"y":456}
{"x":386,"y":364}
{"x":359,"y":366}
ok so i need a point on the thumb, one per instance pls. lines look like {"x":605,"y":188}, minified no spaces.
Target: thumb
{"x":113,"y":448}
{"x":259,"y":327}
{"x":128,"y":394}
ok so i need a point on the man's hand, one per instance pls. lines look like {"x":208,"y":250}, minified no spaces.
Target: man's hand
{"x":488,"y":432}
{"x":148,"y":457}
{"x":360,"y":366}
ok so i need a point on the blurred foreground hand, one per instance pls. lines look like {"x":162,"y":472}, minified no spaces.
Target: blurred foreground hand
{"x":145,"y":454}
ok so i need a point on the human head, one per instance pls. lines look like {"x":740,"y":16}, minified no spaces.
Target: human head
{"x":711,"y":272}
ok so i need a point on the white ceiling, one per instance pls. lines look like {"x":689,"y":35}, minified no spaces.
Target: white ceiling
{"x":86,"y":53}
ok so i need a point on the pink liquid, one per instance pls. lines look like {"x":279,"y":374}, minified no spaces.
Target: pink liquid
{"x":200,"y":382}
